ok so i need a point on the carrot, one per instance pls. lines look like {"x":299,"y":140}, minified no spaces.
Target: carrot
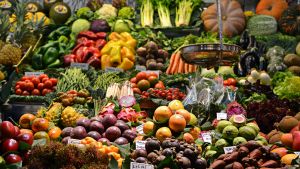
{"x":175,"y":63}
{"x":195,"y":68}
{"x":186,"y":68}
{"x":180,"y":66}
{"x":190,"y":68}
{"x":171,"y":63}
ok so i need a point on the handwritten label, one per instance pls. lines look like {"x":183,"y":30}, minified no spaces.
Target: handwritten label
{"x":74,"y":141}
{"x":154,"y":71}
{"x":229,"y":149}
{"x":83,"y":66}
{"x":139,"y":129}
{"x":140,"y":68}
{"x":33,"y":73}
{"x":113,"y":69}
{"x":297,"y":152}
{"x":134,"y":165}
{"x":222,"y":116}
{"x":140,"y":145}
{"x":206,"y":137}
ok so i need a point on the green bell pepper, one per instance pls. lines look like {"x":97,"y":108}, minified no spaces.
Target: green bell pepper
{"x":44,"y":48}
{"x":64,"y":30}
{"x":55,"y":64}
{"x":37,"y":61}
{"x":50,"y":56}
{"x":63,"y":39}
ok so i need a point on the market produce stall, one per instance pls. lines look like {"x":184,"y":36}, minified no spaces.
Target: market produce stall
{"x":150,"y":84}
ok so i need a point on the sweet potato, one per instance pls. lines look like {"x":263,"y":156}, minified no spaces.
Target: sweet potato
{"x":251,"y":145}
{"x":232,"y":157}
{"x":218,"y":164}
{"x":237,"y":165}
{"x":228,"y":166}
{"x":255,"y":154}
{"x":221,"y":157}
{"x":243,"y":151}
{"x":270,"y":164}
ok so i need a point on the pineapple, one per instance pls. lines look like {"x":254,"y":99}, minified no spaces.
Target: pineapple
{"x":4,"y":26}
{"x":69,"y":117}
{"x":10,"y":55}
{"x":54,"y":113}
{"x":41,"y":112}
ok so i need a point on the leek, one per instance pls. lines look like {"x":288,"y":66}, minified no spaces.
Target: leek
{"x":184,"y":11}
{"x":164,"y":12}
{"x":147,"y":13}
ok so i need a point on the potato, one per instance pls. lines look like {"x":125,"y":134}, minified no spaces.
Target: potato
{"x":292,"y":60}
{"x":295,"y":70}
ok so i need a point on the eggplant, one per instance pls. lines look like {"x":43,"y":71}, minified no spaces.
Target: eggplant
{"x":249,"y":60}
{"x":252,"y":42}
{"x":244,"y":40}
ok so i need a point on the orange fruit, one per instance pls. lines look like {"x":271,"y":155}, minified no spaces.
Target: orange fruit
{"x":281,"y":151}
{"x":287,"y":159}
{"x":40,"y":124}
{"x":163,"y":133}
{"x":177,"y":123}
{"x":287,"y":139}
{"x":185,"y":114}
{"x":187,"y":137}
{"x":148,"y":127}
{"x":26,"y":120}
{"x":140,"y":76}
{"x":54,"y":133}
{"x":195,"y":132}
{"x":162,"y":114}
{"x":175,"y":105}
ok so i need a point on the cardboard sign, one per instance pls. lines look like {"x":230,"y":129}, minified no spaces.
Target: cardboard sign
{"x":206,"y":137}
{"x":33,"y":73}
{"x":229,"y":149}
{"x":140,"y":145}
{"x":113,"y":69}
{"x":221,"y":116}
{"x":134,"y":165}
{"x":140,"y":68}
{"x":139,"y":129}
{"x":74,"y":141}
{"x":83,"y":66}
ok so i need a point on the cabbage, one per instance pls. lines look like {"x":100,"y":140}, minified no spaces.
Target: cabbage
{"x":80,"y":25}
{"x":107,"y":11}
{"x":122,"y":26}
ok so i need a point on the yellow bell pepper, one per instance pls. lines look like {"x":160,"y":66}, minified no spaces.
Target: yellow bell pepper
{"x":127,"y":53}
{"x":105,"y":61}
{"x":132,"y":43}
{"x":126,"y":35}
{"x":107,"y":48}
{"x":126,"y":64}
{"x":114,"y":36}
{"x":115,"y":54}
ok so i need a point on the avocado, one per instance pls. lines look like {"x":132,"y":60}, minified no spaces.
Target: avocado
{"x":49,"y":3}
{"x":60,"y":12}
{"x":33,"y":7}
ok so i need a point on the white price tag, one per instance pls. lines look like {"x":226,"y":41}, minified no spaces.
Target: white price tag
{"x":140,"y":68}
{"x":229,"y":149}
{"x":221,"y":116}
{"x":113,"y":69}
{"x":140,"y":145}
{"x":154,"y":71}
{"x":74,"y":141}
{"x":33,"y":73}
{"x":83,"y":66}
{"x":206,"y":137}
{"x":139,"y":129}
{"x":134,"y":165}
{"x":297,"y":152}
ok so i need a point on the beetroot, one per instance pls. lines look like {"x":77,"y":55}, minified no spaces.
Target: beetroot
{"x":127,"y":101}
{"x":121,"y":141}
{"x":112,"y":133}
{"x":84,"y":122}
{"x":79,"y":132}
{"x":94,"y":134}
{"x":97,"y":118}
{"x":122,"y":125}
{"x":130,"y":135}
{"x":97,"y":126}
{"x":109,"y":120}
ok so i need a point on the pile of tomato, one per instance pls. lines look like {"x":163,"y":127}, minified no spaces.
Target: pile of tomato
{"x":230,"y":82}
{"x":168,"y":94}
{"x":35,"y":85}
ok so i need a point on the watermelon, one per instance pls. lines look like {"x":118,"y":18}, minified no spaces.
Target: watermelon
{"x":262,"y":25}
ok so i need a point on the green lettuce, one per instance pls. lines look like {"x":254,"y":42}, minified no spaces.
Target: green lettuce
{"x":289,"y":88}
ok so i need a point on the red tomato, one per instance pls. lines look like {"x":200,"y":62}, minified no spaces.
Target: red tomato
{"x":226,"y":83}
{"x":40,"y":86}
{"x":48,"y":84}
{"x":29,"y":86}
{"x":19,"y":83}
{"x":133,"y":80}
{"x":231,"y":81}
{"x":23,"y":85}
{"x":17,"y":87}
{"x":45,"y":79}
{"x":42,"y":76}
{"x":25,"y":93}
{"x":45,"y":91}
{"x":159,"y":86}
{"x":36,"y":92}
{"x":24,"y":78}
{"x":152,"y":74}
{"x":18,"y":92}
{"x":136,"y":90}
{"x":54,"y":81}
{"x":134,"y":85}
{"x":35,"y":81}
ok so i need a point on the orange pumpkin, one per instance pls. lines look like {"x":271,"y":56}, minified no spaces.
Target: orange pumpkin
{"x":271,"y":7}
{"x":232,"y":16}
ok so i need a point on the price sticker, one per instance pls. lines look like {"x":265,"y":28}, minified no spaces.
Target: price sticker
{"x":222,"y":116}
{"x":229,"y":149}
{"x":83,"y":66}
{"x":113,"y":69}
{"x":74,"y":141}
{"x":139,"y":129}
{"x":150,"y":71}
{"x":140,"y":68}
{"x":134,"y":165}
{"x":140,"y":145}
{"x":33,"y":73}
{"x":206,"y":137}
{"x":297,"y":152}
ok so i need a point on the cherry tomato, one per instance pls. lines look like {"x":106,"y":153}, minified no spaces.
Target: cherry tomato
{"x":226,"y":83}
{"x":35,"y":81}
{"x":23,"y":85}
{"x":40,"y":86}
{"x":152,"y":74}
{"x":24,"y":78}
{"x":25,"y":93}
{"x":163,"y":94}
{"x":169,"y":97}
{"x":45,"y":91}
{"x":45,"y":79}
{"x":18,"y":92}
{"x":72,"y":92}
{"x":54,"y":81}
{"x":17,"y":87}
{"x":42,"y":76}
{"x":19,"y":83}
{"x":35,"y":92}
{"x":29,"y":86}
{"x":48,"y":84}
{"x":231,"y":81}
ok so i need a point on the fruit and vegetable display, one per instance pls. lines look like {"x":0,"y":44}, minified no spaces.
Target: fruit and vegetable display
{"x":150,"y":84}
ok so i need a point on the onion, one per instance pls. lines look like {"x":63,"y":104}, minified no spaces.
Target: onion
{"x":255,"y":74}
{"x":265,"y":79}
{"x":251,"y":79}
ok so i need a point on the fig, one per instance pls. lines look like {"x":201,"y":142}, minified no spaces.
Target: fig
{"x":151,"y":65}
{"x":184,"y":162}
{"x":97,"y":118}
{"x":141,"y":60}
{"x":166,"y":144}
{"x":109,"y":120}
{"x":66,"y":132}
{"x":152,"y":157}
{"x":122,"y":125}
{"x":200,"y":163}
{"x":162,"y":53}
{"x":121,"y":141}
{"x":167,"y":152}
{"x":152,"y":145}
{"x":112,"y":133}
{"x":84,"y":122}
{"x":79,"y":132}
{"x":65,"y":140}
{"x":104,"y":140}
{"x":190,"y":154}
{"x":159,"y":66}
{"x":130,"y":135}
{"x":96,"y":126}
{"x":160,"y":60}
{"x":141,"y":160}
{"x":94,"y":134}
{"x":139,"y":153}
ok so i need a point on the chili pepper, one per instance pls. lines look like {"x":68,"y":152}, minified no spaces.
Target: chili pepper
{"x":50,"y":55}
{"x":64,"y":30}
{"x":94,"y":61}
{"x":88,"y":43}
{"x":55,"y":64}
{"x":81,"y":53}
{"x":68,"y":59}
{"x":101,"y":35}
{"x":100,"y":43}
{"x":87,"y":34}
{"x":37,"y":61}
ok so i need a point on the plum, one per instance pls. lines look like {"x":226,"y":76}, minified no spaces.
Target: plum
{"x":130,"y":135}
{"x":122,"y":125}
{"x":139,"y":153}
{"x":84,"y":122}
{"x":112,"y":133}
{"x":94,"y":134}
{"x":96,"y":126}
{"x":141,"y":160}
{"x":104,"y":140}
{"x":97,"y":118}
{"x":109,"y":120}
{"x":152,"y":145}
{"x":121,"y":141}
{"x":66,"y":131}
{"x":79,"y":132}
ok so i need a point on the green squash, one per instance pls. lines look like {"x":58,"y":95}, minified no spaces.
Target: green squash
{"x":262,"y":25}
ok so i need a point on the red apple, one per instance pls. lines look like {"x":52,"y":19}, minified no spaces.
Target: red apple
{"x":10,"y":145}
{"x":13,"y":158}
{"x":25,"y":137}
{"x":296,"y":140}
{"x":7,"y":129}
{"x":17,"y":131}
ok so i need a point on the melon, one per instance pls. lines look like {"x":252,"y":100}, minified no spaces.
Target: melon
{"x":238,"y":120}
{"x":221,"y":143}
{"x":247,"y":132}
{"x":254,"y":126}
{"x":239,"y":140}
{"x":262,"y":25}
{"x":222,"y":124}
{"x":230,"y":132}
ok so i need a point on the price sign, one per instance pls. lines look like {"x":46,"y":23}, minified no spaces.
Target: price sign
{"x":140,"y":145}
{"x":83,"y":66}
{"x":140,"y":68}
{"x":113,"y":69}
{"x":33,"y":73}
{"x":139,"y":129}
{"x":134,"y":165}
{"x":229,"y":149}
{"x":221,"y":116}
{"x":74,"y":141}
{"x":206,"y":137}
{"x":297,"y":152}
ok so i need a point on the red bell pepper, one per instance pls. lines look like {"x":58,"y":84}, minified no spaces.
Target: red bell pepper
{"x":88,"y":34}
{"x":68,"y":59}
{"x":94,"y":61}
{"x":100,"y":43}
{"x":81,"y":53}
{"x":81,"y":40}
{"x":101,"y":35}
